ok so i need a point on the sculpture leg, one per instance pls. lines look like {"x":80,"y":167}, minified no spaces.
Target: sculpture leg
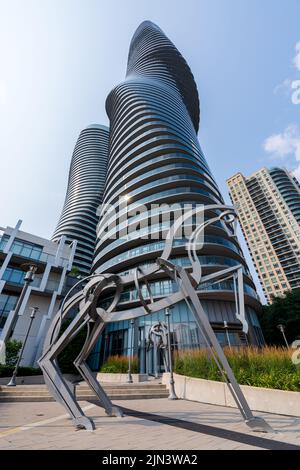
{"x":87,"y":374}
{"x":257,"y":424}
{"x":59,"y":388}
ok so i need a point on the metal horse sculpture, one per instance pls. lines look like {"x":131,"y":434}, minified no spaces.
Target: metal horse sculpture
{"x":94,"y":318}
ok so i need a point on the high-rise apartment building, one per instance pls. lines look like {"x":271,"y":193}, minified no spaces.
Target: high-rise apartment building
{"x":155,"y":158}
{"x":78,"y":220}
{"x":268,"y":204}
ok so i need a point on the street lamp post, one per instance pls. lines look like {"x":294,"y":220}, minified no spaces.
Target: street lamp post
{"x":155,"y":359}
{"x":226,"y":332}
{"x":12,"y":382}
{"x":172,"y":395}
{"x":281,"y":328}
{"x":129,"y":377}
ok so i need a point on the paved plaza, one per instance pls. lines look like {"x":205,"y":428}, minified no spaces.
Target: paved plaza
{"x":153,"y":424}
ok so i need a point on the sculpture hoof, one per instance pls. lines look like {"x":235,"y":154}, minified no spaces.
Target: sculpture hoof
{"x":115,"y":412}
{"x":85,"y":423}
{"x":259,"y":425}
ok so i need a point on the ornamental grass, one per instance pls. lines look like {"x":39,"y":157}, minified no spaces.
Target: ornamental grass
{"x":269,"y":367}
{"x":119,"y":365}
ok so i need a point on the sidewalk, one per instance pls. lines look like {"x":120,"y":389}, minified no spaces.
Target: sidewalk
{"x":149,"y":424}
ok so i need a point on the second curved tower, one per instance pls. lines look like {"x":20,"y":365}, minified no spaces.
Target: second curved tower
{"x":78,"y":220}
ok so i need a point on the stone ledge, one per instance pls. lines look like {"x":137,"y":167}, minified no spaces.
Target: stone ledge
{"x":26,"y":380}
{"x":120,"y":378}
{"x":101,"y":377}
{"x":216,"y":393}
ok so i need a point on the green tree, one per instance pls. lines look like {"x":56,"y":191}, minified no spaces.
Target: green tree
{"x":75,"y":272}
{"x":12,"y":352}
{"x":286,"y":311}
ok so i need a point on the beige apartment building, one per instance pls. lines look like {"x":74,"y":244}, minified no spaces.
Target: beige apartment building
{"x":268,"y":204}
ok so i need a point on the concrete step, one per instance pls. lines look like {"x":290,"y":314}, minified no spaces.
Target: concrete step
{"x":20,"y":393}
{"x":127,"y":394}
{"x":137,"y":386}
{"x":28,"y":391}
{"x":36,"y":393}
{"x":48,"y":398}
{"x":140,"y":385}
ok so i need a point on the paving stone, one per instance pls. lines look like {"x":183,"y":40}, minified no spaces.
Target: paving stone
{"x":132,"y":432}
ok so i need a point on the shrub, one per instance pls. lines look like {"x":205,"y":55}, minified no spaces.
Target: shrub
{"x":75,"y":272}
{"x":70,"y":353}
{"x":269,"y":367}
{"x":7,"y":371}
{"x":13,"y":348}
{"x":119,"y":365}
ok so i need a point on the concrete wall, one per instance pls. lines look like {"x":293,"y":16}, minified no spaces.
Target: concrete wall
{"x":33,"y":342}
{"x":121,"y":378}
{"x":217,"y":393}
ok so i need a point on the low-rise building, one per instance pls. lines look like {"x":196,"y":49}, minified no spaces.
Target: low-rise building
{"x":45,"y":291}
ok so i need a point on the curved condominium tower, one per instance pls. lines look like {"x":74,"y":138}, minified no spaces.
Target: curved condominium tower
{"x":289,"y":188}
{"x":154,"y":159}
{"x":79,"y":217}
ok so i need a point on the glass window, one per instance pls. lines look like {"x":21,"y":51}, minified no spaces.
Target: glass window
{"x":14,"y":275}
{"x":26,"y":249}
{"x":35,"y":254}
{"x":16,"y":248}
{"x":7,"y":303}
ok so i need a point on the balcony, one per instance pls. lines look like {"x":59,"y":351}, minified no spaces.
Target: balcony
{"x":16,"y":277}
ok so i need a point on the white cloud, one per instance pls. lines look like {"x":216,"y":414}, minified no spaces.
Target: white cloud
{"x":296,"y":60}
{"x":288,"y":86}
{"x":284,"y":87}
{"x":285,"y":144}
{"x":295,"y":85}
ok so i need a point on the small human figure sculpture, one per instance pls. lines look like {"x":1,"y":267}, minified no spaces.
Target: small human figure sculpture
{"x":157,"y":336}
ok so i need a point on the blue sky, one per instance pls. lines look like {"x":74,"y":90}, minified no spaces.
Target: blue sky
{"x":60,"y":58}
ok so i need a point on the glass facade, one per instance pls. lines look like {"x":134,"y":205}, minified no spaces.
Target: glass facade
{"x":7,"y":303}
{"x":184,"y":335}
{"x":166,"y":287}
{"x":27,"y":250}
{"x":22,"y":248}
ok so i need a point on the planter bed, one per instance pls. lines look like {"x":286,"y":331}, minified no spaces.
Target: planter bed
{"x":217,"y":393}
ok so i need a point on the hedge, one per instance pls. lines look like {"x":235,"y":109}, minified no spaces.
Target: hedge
{"x":7,"y":371}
